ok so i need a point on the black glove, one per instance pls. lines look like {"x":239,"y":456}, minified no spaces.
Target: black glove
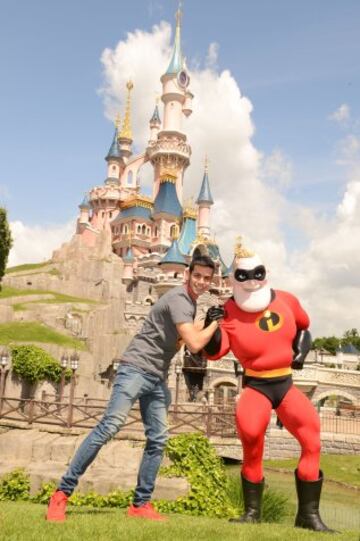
{"x":301,"y":347}
{"x":214,"y":313}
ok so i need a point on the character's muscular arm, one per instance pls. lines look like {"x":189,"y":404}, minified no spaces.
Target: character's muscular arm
{"x":301,"y":347}
{"x":302,"y":341}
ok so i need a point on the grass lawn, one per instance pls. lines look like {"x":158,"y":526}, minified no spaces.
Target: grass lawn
{"x":340,"y":506}
{"x":27,"y":267}
{"x":8,"y":292}
{"x":25,"y":522}
{"x":343,"y":468}
{"x":32,"y":331}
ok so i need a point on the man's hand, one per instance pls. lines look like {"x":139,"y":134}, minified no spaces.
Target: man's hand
{"x":214,"y":313}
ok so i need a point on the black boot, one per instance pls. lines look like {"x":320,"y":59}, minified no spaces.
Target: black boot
{"x":308,"y":493}
{"x":252,"y":501}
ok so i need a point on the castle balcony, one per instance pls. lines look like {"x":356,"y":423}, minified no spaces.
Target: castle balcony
{"x":168,"y":147}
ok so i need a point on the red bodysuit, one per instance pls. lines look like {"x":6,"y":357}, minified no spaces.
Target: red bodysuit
{"x":262,"y":343}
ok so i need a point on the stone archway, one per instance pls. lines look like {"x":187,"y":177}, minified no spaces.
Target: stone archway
{"x":224,"y":390}
{"x":338,"y":393}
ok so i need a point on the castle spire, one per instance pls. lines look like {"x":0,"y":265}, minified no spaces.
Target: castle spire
{"x":177,"y":60}
{"x":205,"y":196}
{"x":126,"y":131}
{"x":114,"y":150}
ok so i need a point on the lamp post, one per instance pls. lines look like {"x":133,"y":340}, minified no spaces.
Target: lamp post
{"x":4,"y":360}
{"x":64,"y":363}
{"x":178,"y":371}
{"x":74,"y":365}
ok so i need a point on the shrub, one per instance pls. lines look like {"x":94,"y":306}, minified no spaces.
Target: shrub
{"x":15,"y":486}
{"x":195,"y":458}
{"x":33,"y":364}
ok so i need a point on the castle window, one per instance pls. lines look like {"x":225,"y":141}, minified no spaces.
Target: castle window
{"x":156,"y":232}
{"x":125,"y":229}
{"x":138,"y":229}
{"x":143,"y":230}
{"x":110,"y":214}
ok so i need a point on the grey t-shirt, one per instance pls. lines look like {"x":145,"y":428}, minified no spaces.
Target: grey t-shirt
{"x":153,"y":347}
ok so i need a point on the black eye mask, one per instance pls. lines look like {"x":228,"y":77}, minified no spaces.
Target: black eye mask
{"x":242,"y":275}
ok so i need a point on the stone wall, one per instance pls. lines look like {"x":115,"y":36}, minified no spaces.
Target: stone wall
{"x":45,"y":456}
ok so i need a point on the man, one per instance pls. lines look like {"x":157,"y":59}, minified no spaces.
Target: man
{"x":267,"y":330}
{"x":142,"y":376}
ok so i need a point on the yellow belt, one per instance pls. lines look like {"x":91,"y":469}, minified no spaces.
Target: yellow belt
{"x":268,"y":373}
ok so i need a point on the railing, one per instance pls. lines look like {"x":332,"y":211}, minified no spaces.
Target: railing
{"x":215,"y":420}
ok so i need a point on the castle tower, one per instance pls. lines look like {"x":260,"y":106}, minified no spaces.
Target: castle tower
{"x":188,"y":230}
{"x":83,"y":219}
{"x":170,"y":152}
{"x":167,"y":212}
{"x":205,"y":201}
{"x":114,"y":158}
{"x":155,"y":124}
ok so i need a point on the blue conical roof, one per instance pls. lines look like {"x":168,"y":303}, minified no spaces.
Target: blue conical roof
{"x":114,"y":150}
{"x":177,"y":61}
{"x":129,"y":257}
{"x":173,"y":255}
{"x":85,"y":204}
{"x":167,"y":200}
{"x":205,"y":193}
{"x":187,"y":235}
{"x":156,"y":116}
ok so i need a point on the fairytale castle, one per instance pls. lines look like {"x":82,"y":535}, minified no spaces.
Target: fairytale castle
{"x":157,"y":234}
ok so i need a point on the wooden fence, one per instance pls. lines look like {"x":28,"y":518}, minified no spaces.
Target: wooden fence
{"x":214,"y":420}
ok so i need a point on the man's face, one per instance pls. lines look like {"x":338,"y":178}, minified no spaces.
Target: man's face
{"x":200,"y":279}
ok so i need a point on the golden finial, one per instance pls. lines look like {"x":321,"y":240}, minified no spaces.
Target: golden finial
{"x":240,"y":250}
{"x":189,"y":209}
{"x":117,"y":121}
{"x":206,"y":163}
{"x":126,"y":127}
{"x":178,"y":14}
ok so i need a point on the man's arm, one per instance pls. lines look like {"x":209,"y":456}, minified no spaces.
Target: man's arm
{"x":196,"y":335}
{"x":194,"y":338}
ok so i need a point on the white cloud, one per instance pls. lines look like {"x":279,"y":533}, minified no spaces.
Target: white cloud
{"x":277,"y":169}
{"x":33,"y":244}
{"x":348,"y":150}
{"x":248,"y":187}
{"x":341,"y":115}
{"x":212,"y":55}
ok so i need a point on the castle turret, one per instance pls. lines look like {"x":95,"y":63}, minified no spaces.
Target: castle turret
{"x":205,"y":201}
{"x":128,"y":272}
{"x":84,"y":210}
{"x":155,"y":124}
{"x":114,"y":157}
{"x":173,"y":261}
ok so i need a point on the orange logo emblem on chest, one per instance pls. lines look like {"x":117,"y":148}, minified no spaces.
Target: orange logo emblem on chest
{"x":270,"y":321}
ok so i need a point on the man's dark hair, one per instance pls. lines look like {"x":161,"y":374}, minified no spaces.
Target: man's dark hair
{"x":202,"y":261}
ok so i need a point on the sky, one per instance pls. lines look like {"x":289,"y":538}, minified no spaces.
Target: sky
{"x":276,"y":110}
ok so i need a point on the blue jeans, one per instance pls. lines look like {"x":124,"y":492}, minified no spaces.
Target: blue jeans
{"x":131,"y":383}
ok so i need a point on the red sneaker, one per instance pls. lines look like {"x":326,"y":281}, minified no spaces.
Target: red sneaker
{"x":145,"y":511}
{"x":57,"y":507}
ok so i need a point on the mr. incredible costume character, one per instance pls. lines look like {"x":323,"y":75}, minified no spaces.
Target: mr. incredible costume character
{"x":267,"y":331}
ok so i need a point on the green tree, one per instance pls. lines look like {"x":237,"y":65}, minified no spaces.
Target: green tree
{"x":330,"y":343}
{"x":351,"y":337}
{"x":5,"y":242}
